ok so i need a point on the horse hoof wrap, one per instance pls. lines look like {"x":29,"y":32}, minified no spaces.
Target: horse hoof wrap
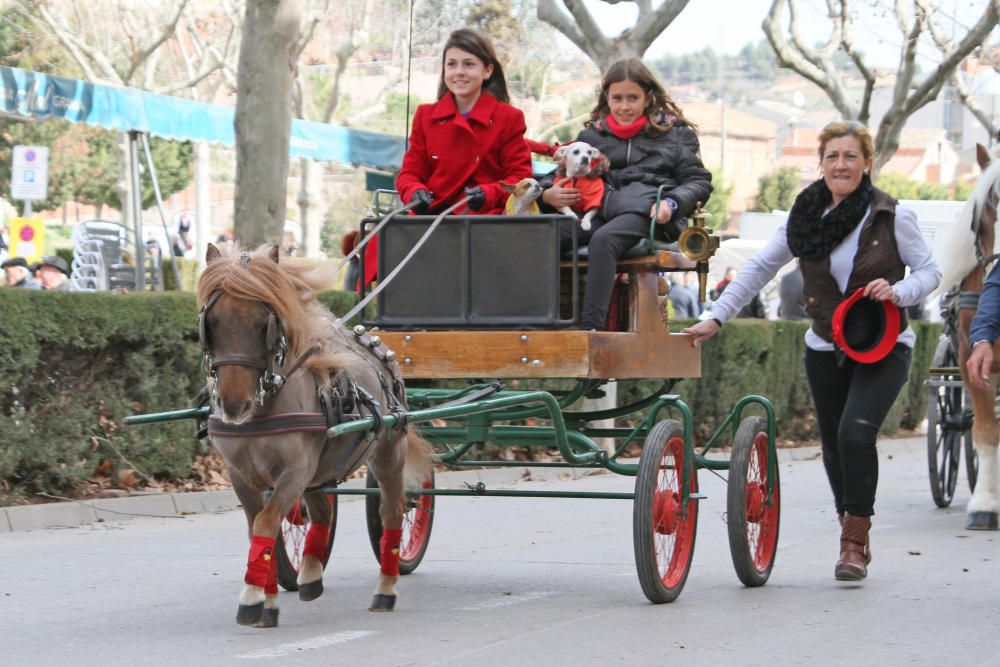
{"x":269,"y":619}
{"x":311,"y":591}
{"x":383,"y":602}
{"x":981,"y":521}
{"x":249,"y":614}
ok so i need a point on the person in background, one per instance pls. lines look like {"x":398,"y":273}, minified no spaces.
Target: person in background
{"x":347,"y":243}
{"x":792,"y":303}
{"x":53,"y":273}
{"x":18,"y":274}
{"x":684,"y":298}
{"x":649,"y":144}
{"x":847,"y":236}
{"x":984,"y":331}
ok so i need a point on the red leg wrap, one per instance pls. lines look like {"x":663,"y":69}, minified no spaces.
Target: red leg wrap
{"x":272,"y":578}
{"x":316,"y":540}
{"x":261,"y":561}
{"x":389,"y":547}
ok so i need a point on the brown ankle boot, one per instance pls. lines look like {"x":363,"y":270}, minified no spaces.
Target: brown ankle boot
{"x":854,"y":554}
{"x":868,"y":543}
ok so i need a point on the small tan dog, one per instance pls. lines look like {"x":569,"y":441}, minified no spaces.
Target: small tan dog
{"x":523,"y":196}
{"x":580,"y":167}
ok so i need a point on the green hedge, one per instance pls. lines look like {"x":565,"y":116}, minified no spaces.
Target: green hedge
{"x":73,"y":365}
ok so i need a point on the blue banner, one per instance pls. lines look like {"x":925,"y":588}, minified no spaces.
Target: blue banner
{"x":28,"y":94}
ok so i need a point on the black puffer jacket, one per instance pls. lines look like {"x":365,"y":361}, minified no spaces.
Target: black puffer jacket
{"x":641,"y":164}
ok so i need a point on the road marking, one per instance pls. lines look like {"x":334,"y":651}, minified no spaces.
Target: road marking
{"x":307,"y":644}
{"x":507,"y":600}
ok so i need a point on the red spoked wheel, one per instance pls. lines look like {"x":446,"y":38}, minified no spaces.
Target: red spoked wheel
{"x":291,"y":541}
{"x":663,"y":525}
{"x":752,"y":514}
{"x":417,"y":524}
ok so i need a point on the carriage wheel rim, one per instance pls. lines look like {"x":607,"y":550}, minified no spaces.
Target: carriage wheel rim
{"x":673,"y":550}
{"x":762,"y":520}
{"x":293,"y":535}
{"x":416,"y":525}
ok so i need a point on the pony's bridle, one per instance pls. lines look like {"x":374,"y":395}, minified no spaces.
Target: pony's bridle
{"x":271,"y":380}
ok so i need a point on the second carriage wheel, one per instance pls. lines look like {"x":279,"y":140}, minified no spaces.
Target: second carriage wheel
{"x":663,"y":524}
{"x":752,"y":512}
{"x":949,"y":422}
{"x":292,"y":541}
{"x":417,"y":523}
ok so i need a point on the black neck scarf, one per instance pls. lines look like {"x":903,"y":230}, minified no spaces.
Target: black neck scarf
{"x":812,"y":235}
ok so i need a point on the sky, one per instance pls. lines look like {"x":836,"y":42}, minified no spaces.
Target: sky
{"x":727,"y":25}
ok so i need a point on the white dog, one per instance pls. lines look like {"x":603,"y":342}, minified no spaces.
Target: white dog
{"x":580,"y":167}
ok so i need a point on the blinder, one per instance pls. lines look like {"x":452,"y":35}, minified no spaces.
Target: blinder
{"x":276,"y":349}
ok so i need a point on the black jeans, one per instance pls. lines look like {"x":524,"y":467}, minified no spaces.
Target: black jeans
{"x":851,"y":403}
{"x":606,"y":242}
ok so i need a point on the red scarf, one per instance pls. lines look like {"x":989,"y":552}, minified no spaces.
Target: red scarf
{"x":625,"y":131}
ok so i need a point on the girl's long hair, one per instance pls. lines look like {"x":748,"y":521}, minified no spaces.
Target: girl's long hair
{"x":632,"y":69}
{"x":474,"y":42}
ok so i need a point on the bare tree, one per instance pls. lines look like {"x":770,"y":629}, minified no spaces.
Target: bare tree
{"x":168,"y":48}
{"x":573,"y":19}
{"x":268,"y":53}
{"x":910,"y":92}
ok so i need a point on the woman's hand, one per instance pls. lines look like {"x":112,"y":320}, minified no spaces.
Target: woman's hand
{"x":663,"y":215}
{"x":702,"y":331}
{"x":880,"y":290}
{"x":560,"y":197}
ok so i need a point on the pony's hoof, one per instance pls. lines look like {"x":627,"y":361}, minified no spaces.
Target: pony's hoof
{"x":269,"y":619}
{"x":981,"y":521}
{"x":311,"y":591}
{"x":249,"y":614}
{"x":383,"y":602}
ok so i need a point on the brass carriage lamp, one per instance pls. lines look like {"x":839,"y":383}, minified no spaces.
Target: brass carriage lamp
{"x":697,"y":243}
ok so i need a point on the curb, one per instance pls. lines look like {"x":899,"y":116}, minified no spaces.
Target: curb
{"x":177,"y":505}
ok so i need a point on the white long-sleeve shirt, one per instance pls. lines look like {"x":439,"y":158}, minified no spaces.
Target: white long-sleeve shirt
{"x":913,"y":289}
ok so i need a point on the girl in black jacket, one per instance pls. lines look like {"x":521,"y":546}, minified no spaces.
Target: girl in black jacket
{"x":649,"y":143}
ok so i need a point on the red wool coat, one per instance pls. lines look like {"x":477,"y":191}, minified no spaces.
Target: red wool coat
{"x":448,"y":153}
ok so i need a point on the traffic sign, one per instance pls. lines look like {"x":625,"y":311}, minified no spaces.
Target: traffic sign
{"x":27,"y":238}
{"x":30,"y":173}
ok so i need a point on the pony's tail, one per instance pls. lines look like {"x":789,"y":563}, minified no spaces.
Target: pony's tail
{"x":419,"y":460}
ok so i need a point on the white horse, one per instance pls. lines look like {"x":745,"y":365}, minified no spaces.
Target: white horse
{"x":965,"y":257}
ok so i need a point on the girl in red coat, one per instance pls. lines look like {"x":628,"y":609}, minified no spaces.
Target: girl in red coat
{"x":467,"y":142}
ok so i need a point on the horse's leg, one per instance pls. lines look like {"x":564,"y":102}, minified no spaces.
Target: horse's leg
{"x":984,"y":508}
{"x":253,"y":596}
{"x":314,"y":554}
{"x":262,"y":565}
{"x":388,"y":464}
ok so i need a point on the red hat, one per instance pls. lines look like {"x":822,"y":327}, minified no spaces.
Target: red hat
{"x":865,"y":329}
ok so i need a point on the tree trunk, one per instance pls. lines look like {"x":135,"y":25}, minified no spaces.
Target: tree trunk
{"x":202,"y":205}
{"x":311,"y":206}
{"x":263,"y":118}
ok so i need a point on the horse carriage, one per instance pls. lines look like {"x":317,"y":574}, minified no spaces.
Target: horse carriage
{"x":467,"y":304}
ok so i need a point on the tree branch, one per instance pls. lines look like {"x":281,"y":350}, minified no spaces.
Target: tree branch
{"x":649,"y":28}
{"x":550,"y":12}
{"x":168,"y":30}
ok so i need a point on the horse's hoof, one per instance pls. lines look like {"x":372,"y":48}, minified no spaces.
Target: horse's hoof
{"x":981,"y":521}
{"x":269,"y":619}
{"x":311,"y":591}
{"x":383,"y":602}
{"x":249,"y":614}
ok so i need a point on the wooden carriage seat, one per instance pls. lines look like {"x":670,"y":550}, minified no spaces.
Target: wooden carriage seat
{"x":426,"y":349}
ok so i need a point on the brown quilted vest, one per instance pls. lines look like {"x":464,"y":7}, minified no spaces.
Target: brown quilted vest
{"x":877,"y":257}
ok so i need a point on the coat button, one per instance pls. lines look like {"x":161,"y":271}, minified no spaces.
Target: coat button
{"x":875,"y":242}
{"x":811,"y":299}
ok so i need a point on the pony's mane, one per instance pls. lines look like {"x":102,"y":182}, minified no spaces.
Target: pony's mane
{"x":289,"y":287}
{"x":957,"y":257}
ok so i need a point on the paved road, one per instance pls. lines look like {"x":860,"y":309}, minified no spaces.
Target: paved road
{"x":522,"y":582}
